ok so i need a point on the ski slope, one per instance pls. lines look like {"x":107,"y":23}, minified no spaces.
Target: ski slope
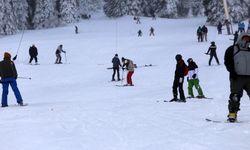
{"x":75,"y":106}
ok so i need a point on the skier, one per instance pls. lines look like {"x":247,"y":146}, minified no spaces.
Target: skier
{"x":248,"y":28}
{"x":237,"y":62}
{"x":199,"y":34}
{"x":193,"y":79}
{"x":227,"y":23}
{"x":212,"y":52}
{"x":129,"y":65}
{"x":58,"y":54}
{"x":116,"y":64}
{"x":33,"y":53}
{"x":139,"y":33}
{"x":138,"y":20}
{"x":180,"y":72}
{"x":76,"y":29}
{"x":219,"y":28}
{"x":151,"y":31}
{"x":235,"y":36}
{"x":8,"y":75}
{"x":204,"y":32}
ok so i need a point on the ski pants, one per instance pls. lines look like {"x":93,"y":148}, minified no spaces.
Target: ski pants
{"x":58,"y":58}
{"x":195,"y":83}
{"x":178,"y":85}
{"x":129,"y":77}
{"x":236,"y":88}
{"x":12,"y":82}
{"x":211,"y":57}
{"x":33,"y":57}
{"x":118,"y":73}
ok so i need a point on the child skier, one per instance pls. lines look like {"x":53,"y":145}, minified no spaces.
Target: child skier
{"x":129,"y":65}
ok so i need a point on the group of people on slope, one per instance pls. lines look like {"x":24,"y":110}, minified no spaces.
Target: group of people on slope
{"x":33,"y":52}
{"x":126,"y":64}
{"x":202,"y":33}
{"x":151,"y":32}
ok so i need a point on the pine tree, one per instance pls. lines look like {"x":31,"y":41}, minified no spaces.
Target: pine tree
{"x":115,"y":8}
{"x":216,"y":12}
{"x":169,"y":9}
{"x":237,"y":11}
{"x":134,"y":7}
{"x":69,"y":11}
{"x":20,"y":10}
{"x":44,"y":16}
{"x":88,"y":6}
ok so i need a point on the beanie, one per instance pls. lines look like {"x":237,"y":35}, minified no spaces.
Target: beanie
{"x":7,"y":55}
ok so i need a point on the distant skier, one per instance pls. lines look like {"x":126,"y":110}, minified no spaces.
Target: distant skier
{"x":199,"y":34}
{"x":8,"y":75}
{"x":116,"y":64}
{"x":129,"y":65}
{"x":219,"y":28}
{"x":139,"y":33}
{"x":59,"y":50}
{"x":33,"y":53}
{"x":76,"y":29}
{"x":212,"y":52}
{"x":180,"y":72}
{"x":241,"y":27}
{"x":237,"y":62}
{"x":193,"y":79}
{"x":248,"y":28}
{"x":204,"y":32}
{"x":151,"y":31}
{"x":138,"y":20}
{"x":235,"y":37}
{"x":228,"y":24}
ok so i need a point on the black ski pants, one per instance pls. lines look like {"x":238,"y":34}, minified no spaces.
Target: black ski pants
{"x":114,"y":72}
{"x":178,"y":85}
{"x":211,"y":57}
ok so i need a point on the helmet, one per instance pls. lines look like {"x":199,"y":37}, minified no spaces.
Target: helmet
{"x":116,"y":55}
{"x":189,"y":60}
{"x":178,"y":57}
{"x":243,"y":41}
{"x":213,"y":43}
{"x":123,"y":59}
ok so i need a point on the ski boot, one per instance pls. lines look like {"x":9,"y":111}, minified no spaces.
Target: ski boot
{"x":200,"y":96}
{"x":232,"y":117}
{"x":173,"y":100}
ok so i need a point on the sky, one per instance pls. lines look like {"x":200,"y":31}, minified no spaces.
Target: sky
{"x":75,"y":105}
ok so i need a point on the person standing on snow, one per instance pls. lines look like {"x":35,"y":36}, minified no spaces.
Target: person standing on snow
{"x":219,"y":28}
{"x":193,"y":79}
{"x":129,"y":65}
{"x":212,"y":52}
{"x":8,"y":75}
{"x":199,"y":34}
{"x":139,"y":33}
{"x":116,"y":64}
{"x":237,"y":62}
{"x":33,"y":53}
{"x":204,"y":32}
{"x":59,"y":50}
{"x":151,"y":31}
{"x":180,"y":72}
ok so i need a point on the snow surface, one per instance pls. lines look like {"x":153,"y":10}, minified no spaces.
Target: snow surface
{"x":74,"y":106}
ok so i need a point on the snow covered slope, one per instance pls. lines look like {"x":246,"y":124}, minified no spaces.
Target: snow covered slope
{"x":74,"y":106}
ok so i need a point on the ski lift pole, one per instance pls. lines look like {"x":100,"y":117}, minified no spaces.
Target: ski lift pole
{"x":14,"y":58}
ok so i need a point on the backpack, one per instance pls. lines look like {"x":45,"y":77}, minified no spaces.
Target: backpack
{"x":185,"y":70}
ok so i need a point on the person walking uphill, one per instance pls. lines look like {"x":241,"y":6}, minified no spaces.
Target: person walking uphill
{"x":212,"y":52}
{"x":33,"y":53}
{"x":129,"y":65}
{"x":59,"y":50}
{"x":8,"y":75}
{"x":116,"y":64}
{"x":237,"y":62}
{"x":180,"y":72}
{"x":193,"y":79}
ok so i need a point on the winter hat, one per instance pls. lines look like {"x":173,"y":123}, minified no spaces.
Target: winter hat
{"x":189,"y":60}
{"x":178,"y":57}
{"x":116,"y":55}
{"x":7,"y":55}
{"x":123,"y":59}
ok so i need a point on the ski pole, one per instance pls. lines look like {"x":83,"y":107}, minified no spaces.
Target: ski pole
{"x":122,"y":76}
{"x":65,"y":58}
{"x":24,"y":78}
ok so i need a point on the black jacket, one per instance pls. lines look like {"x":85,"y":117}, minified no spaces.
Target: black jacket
{"x":33,"y":51}
{"x":192,"y":66}
{"x":212,"y":50}
{"x":116,"y":62}
{"x":7,"y":69}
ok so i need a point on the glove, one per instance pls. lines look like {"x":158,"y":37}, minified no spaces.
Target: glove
{"x":233,"y":75}
{"x":194,"y":76}
{"x":180,"y":80}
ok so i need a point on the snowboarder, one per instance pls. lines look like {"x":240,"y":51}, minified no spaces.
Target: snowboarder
{"x":180,"y":71}
{"x":151,"y":32}
{"x":33,"y":53}
{"x":237,"y":62}
{"x":59,"y":50}
{"x":129,"y":65}
{"x":139,"y":33}
{"x":76,"y":29}
{"x":8,"y":75}
{"x":116,"y":64}
{"x":204,"y":32}
{"x":219,"y":28}
{"x":212,"y":52}
{"x":199,"y":34}
{"x":193,"y":79}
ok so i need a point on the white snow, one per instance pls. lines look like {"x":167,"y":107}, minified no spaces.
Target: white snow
{"x":74,"y":106}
